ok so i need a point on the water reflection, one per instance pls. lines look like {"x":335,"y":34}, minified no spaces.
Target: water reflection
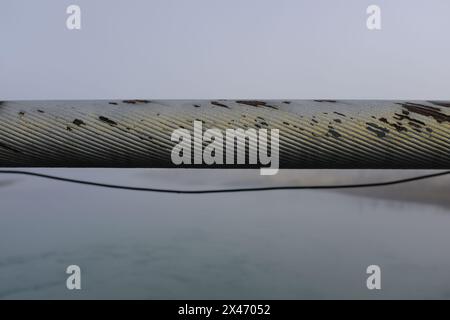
{"x":280,"y":244}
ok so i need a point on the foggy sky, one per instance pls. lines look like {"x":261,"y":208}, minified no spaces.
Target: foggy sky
{"x":168,"y":49}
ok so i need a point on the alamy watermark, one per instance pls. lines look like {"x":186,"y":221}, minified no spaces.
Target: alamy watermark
{"x":73,"y":281}
{"x":373,"y":20}
{"x":373,"y":282}
{"x":73,"y":21}
{"x":221,"y":146}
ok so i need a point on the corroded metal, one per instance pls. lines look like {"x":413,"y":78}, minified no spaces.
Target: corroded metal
{"x":313,"y":133}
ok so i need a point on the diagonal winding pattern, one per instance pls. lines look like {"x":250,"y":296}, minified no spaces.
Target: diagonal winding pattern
{"x":313,"y":133}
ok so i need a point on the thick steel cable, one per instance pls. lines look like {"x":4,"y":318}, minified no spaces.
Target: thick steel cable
{"x":314,"y":134}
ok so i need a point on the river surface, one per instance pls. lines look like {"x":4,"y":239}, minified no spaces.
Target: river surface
{"x":259,"y":245}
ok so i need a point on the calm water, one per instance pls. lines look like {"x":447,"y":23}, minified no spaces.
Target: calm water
{"x":280,"y":244}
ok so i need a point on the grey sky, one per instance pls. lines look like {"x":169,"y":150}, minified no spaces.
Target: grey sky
{"x":179,"y":49}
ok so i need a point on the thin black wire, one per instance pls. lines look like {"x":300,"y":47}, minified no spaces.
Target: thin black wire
{"x":113,"y":186}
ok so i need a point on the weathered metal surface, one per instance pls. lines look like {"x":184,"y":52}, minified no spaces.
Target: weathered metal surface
{"x":313,"y":133}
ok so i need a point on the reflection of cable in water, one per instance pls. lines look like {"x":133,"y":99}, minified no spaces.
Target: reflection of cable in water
{"x":113,"y":186}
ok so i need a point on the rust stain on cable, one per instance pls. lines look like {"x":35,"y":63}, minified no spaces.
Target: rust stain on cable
{"x":313,"y":133}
